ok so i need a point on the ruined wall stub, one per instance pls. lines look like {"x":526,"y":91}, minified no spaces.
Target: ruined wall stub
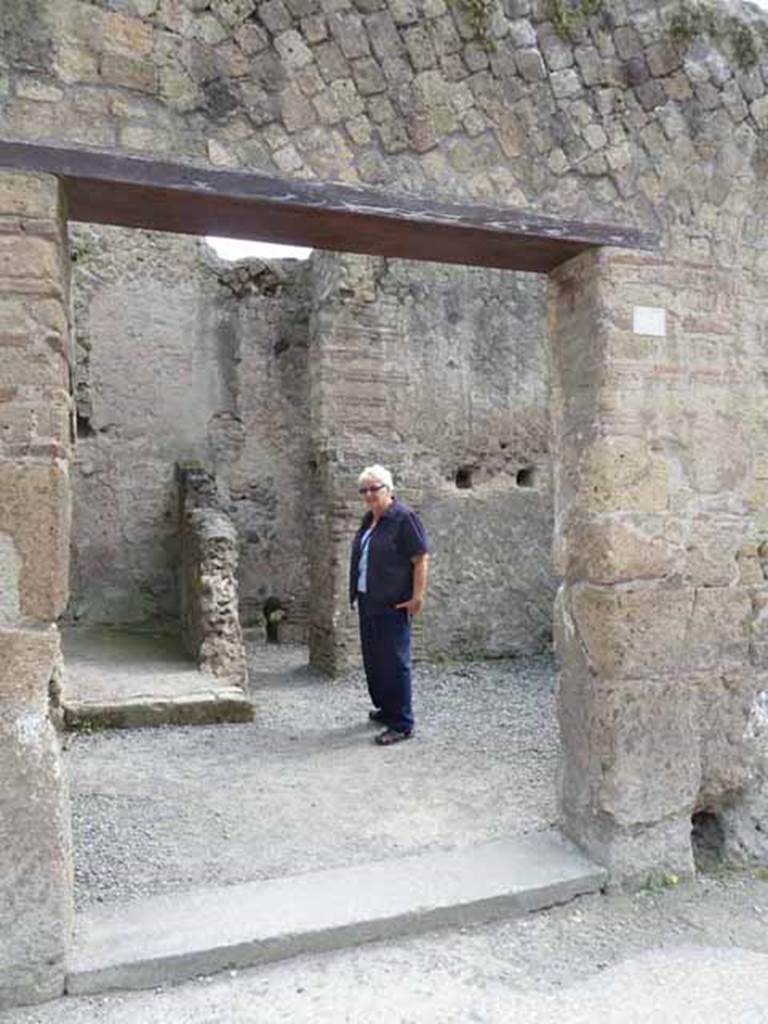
{"x":35,"y":859}
{"x":210,"y":619}
{"x":661,"y":520}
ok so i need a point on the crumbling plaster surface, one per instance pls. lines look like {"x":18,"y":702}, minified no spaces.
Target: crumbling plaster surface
{"x":181,"y":358}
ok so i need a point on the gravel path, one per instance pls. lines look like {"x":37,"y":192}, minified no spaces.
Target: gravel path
{"x":303,"y":787}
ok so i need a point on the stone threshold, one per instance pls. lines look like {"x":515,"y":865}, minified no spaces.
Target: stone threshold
{"x":175,"y":937}
{"x":224,"y":704}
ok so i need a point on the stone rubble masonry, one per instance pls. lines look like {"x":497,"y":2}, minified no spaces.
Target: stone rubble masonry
{"x":660,"y":518}
{"x":210,"y":620}
{"x":35,"y":848}
{"x":549,"y":123}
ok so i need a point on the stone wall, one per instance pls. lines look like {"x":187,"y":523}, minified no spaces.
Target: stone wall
{"x":181,"y":357}
{"x":619,"y":114}
{"x":440,"y":373}
{"x":35,"y":443}
{"x":662,"y":522}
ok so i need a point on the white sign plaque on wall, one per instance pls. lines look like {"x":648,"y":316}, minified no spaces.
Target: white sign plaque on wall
{"x":649,"y":320}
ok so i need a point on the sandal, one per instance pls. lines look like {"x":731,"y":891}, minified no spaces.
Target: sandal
{"x":390,"y":736}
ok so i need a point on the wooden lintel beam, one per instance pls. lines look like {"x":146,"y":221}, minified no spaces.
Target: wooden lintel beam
{"x":111,"y":188}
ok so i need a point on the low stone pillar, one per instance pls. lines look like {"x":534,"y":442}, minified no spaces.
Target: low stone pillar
{"x":210,"y":618}
{"x":35,"y":848}
{"x":660,"y":440}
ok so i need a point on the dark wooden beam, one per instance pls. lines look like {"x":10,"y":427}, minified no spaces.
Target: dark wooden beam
{"x":110,"y":188}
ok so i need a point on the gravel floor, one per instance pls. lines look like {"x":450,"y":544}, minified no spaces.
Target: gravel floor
{"x":303,"y":787}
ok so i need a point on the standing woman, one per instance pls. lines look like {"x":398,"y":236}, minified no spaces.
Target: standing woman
{"x":388,"y":579}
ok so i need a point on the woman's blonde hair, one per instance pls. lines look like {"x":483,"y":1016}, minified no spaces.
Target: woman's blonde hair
{"x":378,"y":473}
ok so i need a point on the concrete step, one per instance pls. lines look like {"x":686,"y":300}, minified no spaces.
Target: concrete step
{"x":174,"y":937}
{"x":220,"y":704}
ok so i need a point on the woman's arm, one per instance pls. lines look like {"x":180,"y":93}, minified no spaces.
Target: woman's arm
{"x":420,"y":572}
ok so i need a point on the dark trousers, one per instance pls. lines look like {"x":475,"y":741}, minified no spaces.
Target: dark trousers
{"x":385,"y":638}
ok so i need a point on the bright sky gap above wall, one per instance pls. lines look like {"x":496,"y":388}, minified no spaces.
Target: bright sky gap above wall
{"x":238,"y":249}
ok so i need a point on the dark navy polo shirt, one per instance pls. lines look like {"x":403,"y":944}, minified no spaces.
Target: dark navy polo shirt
{"x":397,"y":539}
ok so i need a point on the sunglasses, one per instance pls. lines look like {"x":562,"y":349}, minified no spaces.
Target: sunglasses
{"x":371,"y":490}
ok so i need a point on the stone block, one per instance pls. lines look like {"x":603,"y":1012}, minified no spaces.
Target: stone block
{"x":331,"y":61}
{"x":630,"y":769}
{"x":619,"y":548}
{"x":383,"y":34}
{"x":530,"y":65}
{"x":33,"y":262}
{"x":35,"y":421}
{"x":636,"y":630}
{"x":418,"y":43}
{"x":292,"y":49}
{"x":35,"y":848}
{"x":712,"y":547}
{"x":645,"y":732}
{"x":726,"y":699}
{"x":347,"y":29}
{"x":620,"y":474}
{"x":636,"y":856}
{"x":368,"y":76}
{"x":127,"y":35}
{"x":719,"y":630}
{"x":128,"y":72}
{"x":296,"y":109}
{"x":35,"y":513}
{"x":28,"y":195}
{"x":27,"y":659}
{"x":252,"y":39}
{"x":10,"y":571}
{"x":274,"y":15}
{"x":632,"y":630}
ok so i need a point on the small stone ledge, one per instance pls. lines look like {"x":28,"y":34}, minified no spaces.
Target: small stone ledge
{"x":228,"y":704}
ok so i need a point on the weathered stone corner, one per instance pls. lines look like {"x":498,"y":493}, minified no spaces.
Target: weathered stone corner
{"x":36,"y":912}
